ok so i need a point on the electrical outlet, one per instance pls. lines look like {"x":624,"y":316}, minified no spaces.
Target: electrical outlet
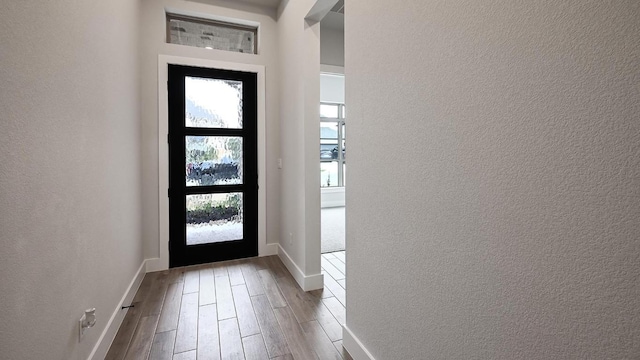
{"x":87,"y":320}
{"x":290,"y":238}
{"x":279,"y":163}
{"x":81,"y":328}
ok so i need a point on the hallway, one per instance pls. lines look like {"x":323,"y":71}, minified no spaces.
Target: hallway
{"x":242,"y":309}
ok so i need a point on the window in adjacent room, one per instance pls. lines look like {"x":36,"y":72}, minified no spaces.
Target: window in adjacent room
{"x":332,"y":145}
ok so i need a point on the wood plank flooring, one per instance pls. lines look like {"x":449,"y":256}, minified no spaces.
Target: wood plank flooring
{"x":242,"y":309}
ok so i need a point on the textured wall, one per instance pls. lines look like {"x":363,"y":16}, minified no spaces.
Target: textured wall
{"x":299,"y":51}
{"x":153,"y":43}
{"x":493,"y":208}
{"x":69,"y":171}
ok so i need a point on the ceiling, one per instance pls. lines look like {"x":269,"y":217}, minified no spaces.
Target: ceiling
{"x":333,"y":20}
{"x":339,"y":7}
{"x":264,"y":3}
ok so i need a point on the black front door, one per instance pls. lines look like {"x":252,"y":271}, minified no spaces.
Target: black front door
{"x":213,"y":166}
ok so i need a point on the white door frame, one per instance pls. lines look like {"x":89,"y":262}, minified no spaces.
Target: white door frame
{"x":162,"y":263}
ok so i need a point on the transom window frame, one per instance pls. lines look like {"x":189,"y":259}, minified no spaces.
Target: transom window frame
{"x":203,"y":21}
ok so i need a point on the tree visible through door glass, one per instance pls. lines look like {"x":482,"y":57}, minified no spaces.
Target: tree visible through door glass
{"x":213,"y":103}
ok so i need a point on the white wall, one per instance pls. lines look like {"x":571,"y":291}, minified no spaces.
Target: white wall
{"x":332,"y":88}
{"x":152,"y":34}
{"x":506,"y":226}
{"x":299,"y":113}
{"x":69,"y":172}
{"x":331,"y":46}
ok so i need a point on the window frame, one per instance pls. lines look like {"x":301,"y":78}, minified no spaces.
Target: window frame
{"x":203,"y":21}
{"x":341,"y":161}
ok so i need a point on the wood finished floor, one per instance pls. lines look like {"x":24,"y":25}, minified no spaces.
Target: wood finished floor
{"x":242,"y":309}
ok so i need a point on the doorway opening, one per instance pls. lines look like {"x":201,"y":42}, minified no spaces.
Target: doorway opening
{"x":332,"y":162}
{"x":333,"y":134}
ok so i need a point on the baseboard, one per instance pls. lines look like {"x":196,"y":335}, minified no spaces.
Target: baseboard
{"x":332,"y":69}
{"x":271,"y":249}
{"x":354,"y":346}
{"x":155,"y":264}
{"x":307,"y":283}
{"x":332,"y":197}
{"x":332,"y":204}
{"x":106,"y":338}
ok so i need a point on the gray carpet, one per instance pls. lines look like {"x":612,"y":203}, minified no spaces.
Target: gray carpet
{"x":333,"y":229}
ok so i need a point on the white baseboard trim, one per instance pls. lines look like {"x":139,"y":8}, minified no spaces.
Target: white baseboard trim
{"x":271,"y":249}
{"x":307,"y":283}
{"x":332,"y":204}
{"x":332,"y":69}
{"x":106,"y":338}
{"x":155,"y":264}
{"x":354,"y":346}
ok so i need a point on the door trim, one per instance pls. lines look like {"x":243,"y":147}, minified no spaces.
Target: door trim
{"x":264,"y":249}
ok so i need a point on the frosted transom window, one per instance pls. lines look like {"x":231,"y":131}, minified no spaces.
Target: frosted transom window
{"x":211,"y":34}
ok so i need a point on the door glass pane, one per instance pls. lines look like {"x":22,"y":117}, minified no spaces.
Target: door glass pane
{"x":213,"y":160}
{"x":329,"y":174}
{"x":213,"y":103}
{"x":214,"y":218}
